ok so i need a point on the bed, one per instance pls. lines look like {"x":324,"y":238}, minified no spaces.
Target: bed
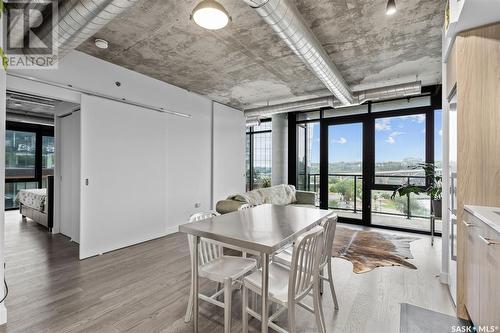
{"x":37,"y":204}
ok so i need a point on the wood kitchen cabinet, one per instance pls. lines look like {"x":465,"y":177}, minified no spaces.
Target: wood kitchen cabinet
{"x":472,"y":257}
{"x":482,"y":278}
{"x":477,"y":69}
{"x":489,"y":288}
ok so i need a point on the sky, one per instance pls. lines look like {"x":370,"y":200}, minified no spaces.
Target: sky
{"x":396,"y":138}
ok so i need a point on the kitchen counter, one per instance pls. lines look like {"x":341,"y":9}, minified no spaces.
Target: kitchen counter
{"x":489,"y":215}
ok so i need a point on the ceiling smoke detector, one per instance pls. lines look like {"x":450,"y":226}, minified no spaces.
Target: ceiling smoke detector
{"x":101,"y":43}
{"x":211,"y":15}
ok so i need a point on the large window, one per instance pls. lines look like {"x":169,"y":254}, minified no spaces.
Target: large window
{"x":308,"y":156}
{"x":20,"y":148}
{"x":345,"y":169}
{"x":399,"y":147}
{"x":355,"y":157}
{"x":259,"y":155}
{"x":29,"y":158}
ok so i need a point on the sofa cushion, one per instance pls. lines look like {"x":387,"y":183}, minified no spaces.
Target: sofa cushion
{"x":253,"y":198}
{"x":279,"y":195}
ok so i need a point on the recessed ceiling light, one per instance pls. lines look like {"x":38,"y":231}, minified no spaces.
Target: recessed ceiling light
{"x":211,"y":15}
{"x":391,"y":7}
{"x":101,"y":43}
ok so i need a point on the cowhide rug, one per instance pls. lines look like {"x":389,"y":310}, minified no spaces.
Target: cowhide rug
{"x":367,"y":250}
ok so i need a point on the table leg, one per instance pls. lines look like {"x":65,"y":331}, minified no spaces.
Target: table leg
{"x":265,"y":292}
{"x":433,"y":225}
{"x":194,"y":268}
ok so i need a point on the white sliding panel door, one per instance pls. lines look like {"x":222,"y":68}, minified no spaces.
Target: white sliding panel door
{"x":124,"y":163}
{"x":70,"y":175}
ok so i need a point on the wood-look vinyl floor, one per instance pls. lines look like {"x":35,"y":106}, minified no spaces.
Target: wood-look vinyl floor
{"x":144,"y":288}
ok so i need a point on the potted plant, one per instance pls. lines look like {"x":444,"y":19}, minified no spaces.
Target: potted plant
{"x":433,"y":190}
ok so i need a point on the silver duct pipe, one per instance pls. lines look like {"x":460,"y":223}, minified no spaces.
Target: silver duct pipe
{"x":27,"y":118}
{"x":377,"y":94}
{"x":287,"y":22}
{"x":81,"y":19}
{"x":251,"y":122}
{"x":304,"y":105}
{"x":384,"y":93}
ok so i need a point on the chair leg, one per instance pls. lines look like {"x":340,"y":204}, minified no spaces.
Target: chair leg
{"x":332,"y":288}
{"x":189,"y":310}
{"x":321,"y":287}
{"x":219,"y":287}
{"x":292,"y":328}
{"x":318,"y":309}
{"x":228,"y":291}
{"x":244,"y":306}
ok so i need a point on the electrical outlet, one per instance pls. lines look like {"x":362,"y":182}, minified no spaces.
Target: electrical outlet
{"x":197,"y":205}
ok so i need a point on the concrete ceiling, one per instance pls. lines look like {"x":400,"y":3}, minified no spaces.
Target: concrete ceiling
{"x":246,"y":64}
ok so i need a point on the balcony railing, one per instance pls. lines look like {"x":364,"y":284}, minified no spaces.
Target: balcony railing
{"x":352,"y":190}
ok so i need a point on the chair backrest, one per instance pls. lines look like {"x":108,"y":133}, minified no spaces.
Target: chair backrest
{"x":207,"y":250}
{"x":329,"y":224}
{"x":201,"y":216}
{"x":245,"y":206}
{"x":304,"y":268}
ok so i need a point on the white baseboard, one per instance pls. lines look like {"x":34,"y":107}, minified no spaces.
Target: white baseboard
{"x":3,"y":314}
{"x":443,"y":278}
{"x":172,"y":230}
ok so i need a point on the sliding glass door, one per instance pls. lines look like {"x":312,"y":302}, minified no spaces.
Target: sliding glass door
{"x":345,"y":170}
{"x":356,"y":157}
{"x":400,"y":147}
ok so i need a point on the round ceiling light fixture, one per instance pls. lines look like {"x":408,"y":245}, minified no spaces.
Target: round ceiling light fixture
{"x":391,"y":7}
{"x":211,"y":15}
{"x":101,"y":43}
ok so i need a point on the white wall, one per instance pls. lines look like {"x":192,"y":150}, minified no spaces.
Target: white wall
{"x":187,"y":144}
{"x":228,"y":150}
{"x":3,"y":310}
{"x":189,"y":162}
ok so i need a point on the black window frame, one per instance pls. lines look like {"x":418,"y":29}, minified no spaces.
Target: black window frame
{"x":250,"y":133}
{"x":40,"y":131}
{"x":368,"y":120}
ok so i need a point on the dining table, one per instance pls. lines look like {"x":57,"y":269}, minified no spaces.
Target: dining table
{"x":263,"y":229}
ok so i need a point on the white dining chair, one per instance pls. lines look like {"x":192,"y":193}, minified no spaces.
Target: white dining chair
{"x":289,"y":285}
{"x":330,"y":225}
{"x":245,"y":252}
{"x":217,"y":267}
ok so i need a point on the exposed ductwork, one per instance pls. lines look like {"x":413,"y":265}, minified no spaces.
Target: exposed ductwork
{"x":304,"y":105}
{"x":389,"y":92}
{"x":377,"y":94}
{"x":285,"y":19}
{"x":29,"y":118}
{"x":251,"y":122}
{"x":81,"y":19}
